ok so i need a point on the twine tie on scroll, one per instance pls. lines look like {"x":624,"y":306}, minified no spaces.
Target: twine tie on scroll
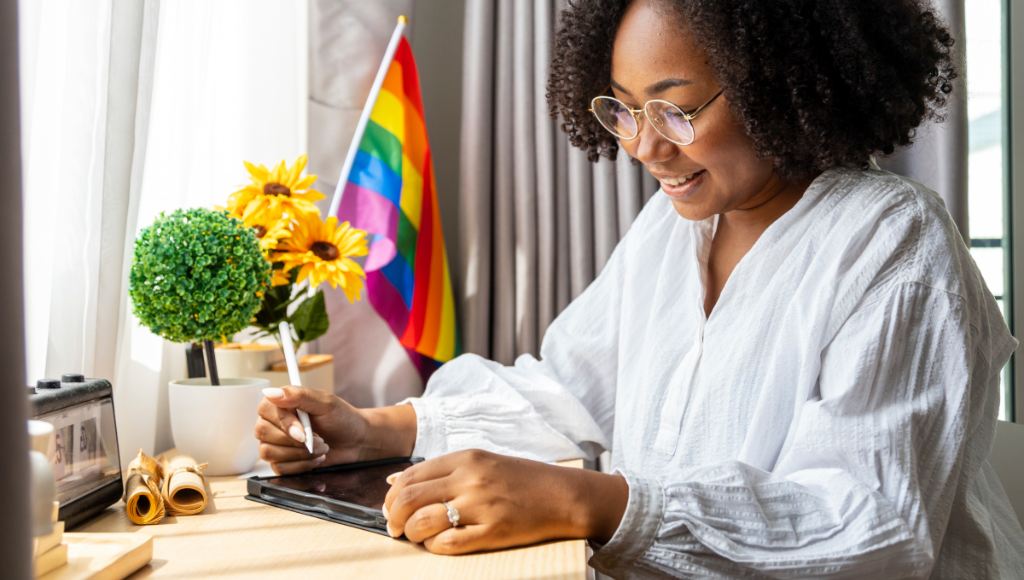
{"x":184,"y":487}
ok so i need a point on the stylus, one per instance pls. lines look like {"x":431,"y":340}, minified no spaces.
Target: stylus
{"x":295,"y":379}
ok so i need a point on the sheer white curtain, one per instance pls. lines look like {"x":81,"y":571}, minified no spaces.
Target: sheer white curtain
{"x":65,"y":51}
{"x":132,"y":108}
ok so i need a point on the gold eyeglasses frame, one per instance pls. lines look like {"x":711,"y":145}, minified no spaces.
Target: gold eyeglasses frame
{"x":636,"y":113}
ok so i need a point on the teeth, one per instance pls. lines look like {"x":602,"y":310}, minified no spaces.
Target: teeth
{"x":673,"y":181}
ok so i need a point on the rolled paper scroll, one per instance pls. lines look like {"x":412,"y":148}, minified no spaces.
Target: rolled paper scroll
{"x":184,"y":487}
{"x":142,"y":500}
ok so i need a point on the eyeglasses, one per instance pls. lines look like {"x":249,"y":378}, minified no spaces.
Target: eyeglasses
{"x":668,"y":120}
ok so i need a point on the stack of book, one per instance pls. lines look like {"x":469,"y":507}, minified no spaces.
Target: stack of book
{"x":49,"y":552}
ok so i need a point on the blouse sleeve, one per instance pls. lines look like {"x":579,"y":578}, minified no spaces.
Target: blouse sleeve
{"x":866,"y":480}
{"x":559,"y":406}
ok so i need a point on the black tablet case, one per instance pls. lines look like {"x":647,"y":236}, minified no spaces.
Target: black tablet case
{"x":261,"y":490}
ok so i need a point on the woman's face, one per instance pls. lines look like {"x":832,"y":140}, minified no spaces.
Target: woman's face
{"x":655,"y":57}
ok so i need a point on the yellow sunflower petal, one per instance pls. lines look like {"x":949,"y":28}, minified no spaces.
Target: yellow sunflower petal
{"x":277,"y":175}
{"x":312,"y":195}
{"x":293,"y":176}
{"x":258,"y":172}
{"x":305,"y":182}
{"x":355,"y":268}
{"x":353,"y":289}
{"x":304,"y":272}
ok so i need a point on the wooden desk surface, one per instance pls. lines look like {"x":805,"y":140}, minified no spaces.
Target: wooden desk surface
{"x":242,"y":538}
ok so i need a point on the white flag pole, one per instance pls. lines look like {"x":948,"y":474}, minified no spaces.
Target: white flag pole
{"x":364,"y":118}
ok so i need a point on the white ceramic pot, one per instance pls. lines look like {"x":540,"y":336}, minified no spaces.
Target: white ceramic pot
{"x":214,"y":425}
{"x":266,"y":361}
{"x":246,"y":359}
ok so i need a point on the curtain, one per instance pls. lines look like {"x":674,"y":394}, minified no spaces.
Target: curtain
{"x":85,"y":102}
{"x":133,"y":108}
{"x":538,"y":221}
{"x":938,"y":156}
{"x":78,"y":164}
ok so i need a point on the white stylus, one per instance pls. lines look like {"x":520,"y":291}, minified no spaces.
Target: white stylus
{"x":295,"y":379}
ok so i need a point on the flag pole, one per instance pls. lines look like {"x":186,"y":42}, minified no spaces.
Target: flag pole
{"x":364,"y":118}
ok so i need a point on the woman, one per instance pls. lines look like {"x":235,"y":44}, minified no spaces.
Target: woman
{"x":791,"y":354}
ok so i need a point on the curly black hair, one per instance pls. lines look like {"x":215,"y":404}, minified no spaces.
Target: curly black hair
{"x":816,"y":83}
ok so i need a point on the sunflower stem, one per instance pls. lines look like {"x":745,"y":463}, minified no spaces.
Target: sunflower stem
{"x":294,"y":298}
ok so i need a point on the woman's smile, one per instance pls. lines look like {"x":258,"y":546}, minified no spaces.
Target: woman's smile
{"x":681,"y":186}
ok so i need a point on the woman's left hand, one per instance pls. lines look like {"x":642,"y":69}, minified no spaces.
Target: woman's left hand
{"x":502,"y":501}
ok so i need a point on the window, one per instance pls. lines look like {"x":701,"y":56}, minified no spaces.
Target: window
{"x":989,"y":150}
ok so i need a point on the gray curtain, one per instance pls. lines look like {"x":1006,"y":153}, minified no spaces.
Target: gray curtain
{"x":537,"y":220}
{"x":938,"y":157}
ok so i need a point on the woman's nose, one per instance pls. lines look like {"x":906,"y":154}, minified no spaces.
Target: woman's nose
{"x":651,"y":146}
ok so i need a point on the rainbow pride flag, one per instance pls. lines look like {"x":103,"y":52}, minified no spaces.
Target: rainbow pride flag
{"x":391,"y":193}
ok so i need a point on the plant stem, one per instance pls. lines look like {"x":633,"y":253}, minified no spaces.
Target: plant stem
{"x":211,"y":363}
{"x":293,"y":299}
{"x":194,"y":359}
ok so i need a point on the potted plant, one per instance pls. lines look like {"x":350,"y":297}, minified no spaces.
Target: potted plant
{"x":198,"y":275}
{"x":304,"y":253}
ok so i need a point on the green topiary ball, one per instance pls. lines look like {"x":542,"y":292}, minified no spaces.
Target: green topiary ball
{"x":197,"y":275}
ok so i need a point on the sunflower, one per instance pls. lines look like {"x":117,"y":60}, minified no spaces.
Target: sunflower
{"x":270,"y":233}
{"x":279,"y":276}
{"x":323,"y":252}
{"x":276,"y":193}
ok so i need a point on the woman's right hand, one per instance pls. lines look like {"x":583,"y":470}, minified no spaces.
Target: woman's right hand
{"x":342,"y":433}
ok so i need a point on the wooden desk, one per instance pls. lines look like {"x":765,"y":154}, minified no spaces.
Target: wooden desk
{"x":238,"y":537}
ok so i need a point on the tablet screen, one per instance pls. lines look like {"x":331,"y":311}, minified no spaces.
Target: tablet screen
{"x":364,"y":486}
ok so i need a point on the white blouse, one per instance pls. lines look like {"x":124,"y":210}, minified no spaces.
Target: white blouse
{"x":832,"y":417}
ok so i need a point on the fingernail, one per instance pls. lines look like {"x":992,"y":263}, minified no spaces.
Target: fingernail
{"x":296,"y":432}
{"x":393,"y":533}
{"x":320,"y":448}
{"x":391,"y":478}
{"x":320,"y":459}
{"x":384,"y":508}
{"x":273,"y":392}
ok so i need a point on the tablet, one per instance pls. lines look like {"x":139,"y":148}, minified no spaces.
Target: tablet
{"x":350,"y":494}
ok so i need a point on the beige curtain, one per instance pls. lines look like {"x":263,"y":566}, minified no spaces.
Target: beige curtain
{"x":537,"y":220}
